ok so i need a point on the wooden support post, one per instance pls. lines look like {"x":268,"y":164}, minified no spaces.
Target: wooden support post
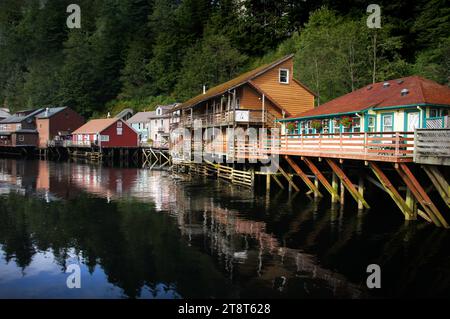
{"x":361,"y":191}
{"x":342,"y":196}
{"x":332,"y":189}
{"x":411,"y":201}
{"x":316,"y":184}
{"x":392,"y":191}
{"x":335,"y":187}
{"x":347,"y":183}
{"x":289,"y":179}
{"x":268,"y":183}
{"x":303,"y":176}
{"x":439,"y":182}
{"x":276,"y":179}
{"x":421,"y":195}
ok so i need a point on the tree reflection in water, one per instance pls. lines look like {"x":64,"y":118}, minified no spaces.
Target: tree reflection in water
{"x":153,"y":236}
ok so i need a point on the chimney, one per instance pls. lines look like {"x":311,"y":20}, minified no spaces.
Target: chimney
{"x":109,"y":115}
{"x":204,"y":89}
{"x":46,"y":112}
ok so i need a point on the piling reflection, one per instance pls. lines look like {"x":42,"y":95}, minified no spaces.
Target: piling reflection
{"x":147,"y":234}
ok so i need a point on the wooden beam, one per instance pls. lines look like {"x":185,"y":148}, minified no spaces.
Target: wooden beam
{"x":275,"y":178}
{"x":334,"y":183}
{"x":421,"y":195}
{"x":332,"y":190}
{"x":439,"y":182}
{"x":392,"y":191}
{"x":347,"y":183}
{"x":289,"y":179}
{"x":303,"y":176}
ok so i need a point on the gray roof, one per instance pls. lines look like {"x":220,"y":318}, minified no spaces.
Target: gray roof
{"x":141,"y":117}
{"x":19,"y":119}
{"x":123,"y":113}
{"x":51,"y":111}
{"x":4,"y":114}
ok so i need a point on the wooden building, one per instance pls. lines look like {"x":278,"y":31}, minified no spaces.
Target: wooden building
{"x":254,"y":99}
{"x":54,"y":125}
{"x":19,"y":130}
{"x":400,"y":105}
{"x":105,"y":133}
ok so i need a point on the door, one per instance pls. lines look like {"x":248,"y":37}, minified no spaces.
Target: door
{"x":412,"y":121}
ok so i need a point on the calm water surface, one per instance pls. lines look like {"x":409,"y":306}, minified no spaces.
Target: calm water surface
{"x":145,"y":234}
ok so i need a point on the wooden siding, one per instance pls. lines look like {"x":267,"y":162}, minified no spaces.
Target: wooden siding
{"x":252,"y":100}
{"x":292,"y":97}
{"x":129,"y":137}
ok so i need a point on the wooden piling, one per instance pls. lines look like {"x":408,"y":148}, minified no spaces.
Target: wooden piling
{"x":392,"y":191}
{"x":303,"y":176}
{"x":332,"y":189}
{"x":347,"y":183}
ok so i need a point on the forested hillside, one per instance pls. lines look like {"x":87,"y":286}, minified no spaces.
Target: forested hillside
{"x":137,"y":53}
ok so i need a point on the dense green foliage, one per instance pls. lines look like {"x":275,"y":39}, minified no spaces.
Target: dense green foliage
{"x":142,"y":52}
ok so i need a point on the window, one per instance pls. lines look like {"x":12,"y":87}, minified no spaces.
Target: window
{"x":325,"y":126}
{"x":104,"y":138}
{"x":284,"y":76}
{"x":434,"y":112}
{"x":388,"y":122}
{"x":336,"y":127}
{"x":18,"y":126}
{"x":119,"y":131}
{"x":119,"y":124}
{"x":371,"y":124}
{"x":21,"y":138}
{"x":356,"y":124}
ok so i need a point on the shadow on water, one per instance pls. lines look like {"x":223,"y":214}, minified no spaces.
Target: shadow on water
{"x":142,"y":234}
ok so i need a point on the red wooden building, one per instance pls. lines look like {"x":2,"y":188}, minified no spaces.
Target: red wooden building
{"x":106,"y":133}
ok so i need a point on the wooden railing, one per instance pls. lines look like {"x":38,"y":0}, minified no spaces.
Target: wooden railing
{"x":383,"y":146}
{"x":228,"y":117}
{"x":432,"y":146}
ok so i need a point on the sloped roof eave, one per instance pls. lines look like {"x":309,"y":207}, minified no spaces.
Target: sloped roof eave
{"x":246,"y":77}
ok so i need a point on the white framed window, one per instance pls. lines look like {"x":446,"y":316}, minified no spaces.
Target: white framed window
{"x":371,"y":123}
{"x":284,"y":76}
{"x":119,"y":131}
{"x":388,"y":122}
{"x":119,"y":124}
{"x":104,"y":138}
{"x":356,"y":124}
{"x":336,"y":126}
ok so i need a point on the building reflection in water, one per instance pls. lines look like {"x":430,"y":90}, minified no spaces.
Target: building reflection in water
{"x":228,"y":224}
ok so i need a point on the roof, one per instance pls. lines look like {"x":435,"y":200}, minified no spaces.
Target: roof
{"x":19,"y":119}
{"x":421,"y":91}
{"x":96,"y":126}
{"x":234,"y":83}
{"x":124,"y":113}
{"x":140,"y":117}
{"x":49,"y":112}
{"x":4,"y":114}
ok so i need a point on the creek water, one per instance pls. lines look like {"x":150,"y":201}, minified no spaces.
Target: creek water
{"x":136,"y":233}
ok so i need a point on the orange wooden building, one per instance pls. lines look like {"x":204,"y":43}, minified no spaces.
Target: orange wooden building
{"x":254,"y":99}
